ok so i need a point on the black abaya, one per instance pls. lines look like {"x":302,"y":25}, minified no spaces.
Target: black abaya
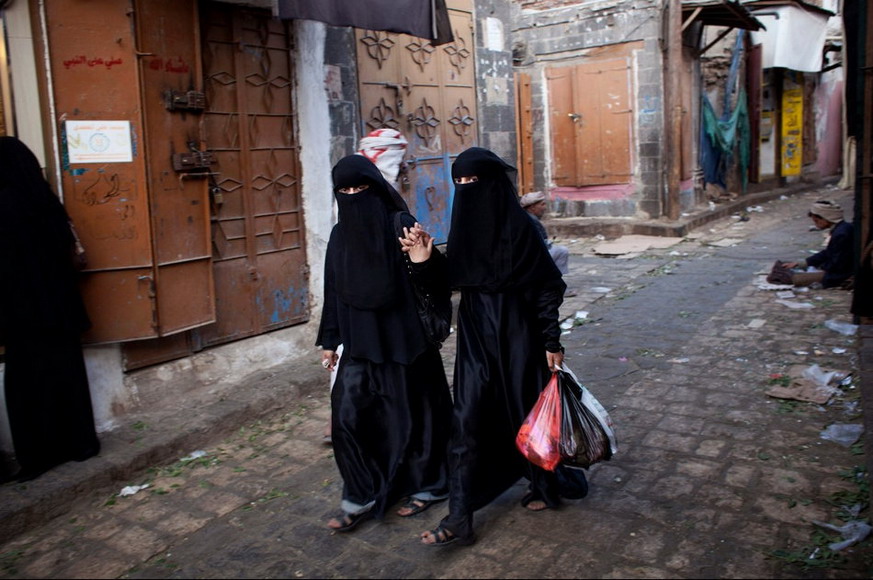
{"x":391,"y":405}
{"x":41,"y":319}
{"x":507,"y":320}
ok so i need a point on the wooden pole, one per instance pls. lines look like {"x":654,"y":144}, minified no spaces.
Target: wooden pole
{"x":673,"y":110}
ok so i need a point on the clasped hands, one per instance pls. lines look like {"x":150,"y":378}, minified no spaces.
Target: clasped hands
{"x":416,"y":243}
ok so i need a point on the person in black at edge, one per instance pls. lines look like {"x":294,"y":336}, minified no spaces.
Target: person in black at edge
{"x":42,"y":318}
{"x":508,"y":341}
{"x":391,"y":404}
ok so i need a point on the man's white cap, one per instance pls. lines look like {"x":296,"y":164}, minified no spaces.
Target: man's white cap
{"x":531,"y":198}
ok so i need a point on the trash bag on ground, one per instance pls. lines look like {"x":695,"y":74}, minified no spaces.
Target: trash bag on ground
{"x":539,"y":437}
{"x":780,"y":274}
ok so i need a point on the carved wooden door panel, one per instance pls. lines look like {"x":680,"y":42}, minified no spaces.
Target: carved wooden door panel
{"x":261,"y":277}
{"x":428,"y":93}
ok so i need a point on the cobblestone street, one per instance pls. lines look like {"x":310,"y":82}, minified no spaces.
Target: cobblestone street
{"x":714,"y":478}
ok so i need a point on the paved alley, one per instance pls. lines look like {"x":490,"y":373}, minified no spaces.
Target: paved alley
{"x":714,"y":478}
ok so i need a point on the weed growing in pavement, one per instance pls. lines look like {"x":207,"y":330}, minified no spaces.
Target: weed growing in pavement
{"x":788,"y":406}
{"x":779,"y":379}
{"x":650,"y":353}
{"x":849,"y":505}
{"x":8,"y":562}
{"x":271,"y":495}
{"x":661,"y":270}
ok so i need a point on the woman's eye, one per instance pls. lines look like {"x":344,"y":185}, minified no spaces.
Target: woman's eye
{"x":354,"y":189}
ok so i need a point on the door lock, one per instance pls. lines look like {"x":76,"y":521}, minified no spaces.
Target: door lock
{"x":193,"y":101}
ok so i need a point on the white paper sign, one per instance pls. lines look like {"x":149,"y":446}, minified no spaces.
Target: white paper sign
{"x":99,"y":141}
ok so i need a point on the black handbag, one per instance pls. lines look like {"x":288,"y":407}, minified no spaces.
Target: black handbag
{"x":435,"y":313}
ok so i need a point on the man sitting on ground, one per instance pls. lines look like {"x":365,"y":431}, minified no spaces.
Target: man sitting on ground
{"x":535,"y":205}
{"x":835,"y":265}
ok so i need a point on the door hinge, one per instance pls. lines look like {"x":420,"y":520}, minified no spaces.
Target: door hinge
{"x":194,"y":101}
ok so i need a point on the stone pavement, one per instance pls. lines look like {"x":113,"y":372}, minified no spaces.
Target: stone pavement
{"x":713,"y":478}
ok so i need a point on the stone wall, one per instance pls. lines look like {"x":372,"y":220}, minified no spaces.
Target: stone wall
{"x":341,"y":86}
{"x":495,"y":88}
{"x":559,"y":32}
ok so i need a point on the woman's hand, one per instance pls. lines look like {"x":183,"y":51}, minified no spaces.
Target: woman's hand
{"x":417,"y":243}
{"x":555,"y":360}
{"x":329,"y":359}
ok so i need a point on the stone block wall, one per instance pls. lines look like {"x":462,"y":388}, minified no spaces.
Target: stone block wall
{"x":494,"y":78}
{"x":341,"y":86}
{"x":550,"y":33}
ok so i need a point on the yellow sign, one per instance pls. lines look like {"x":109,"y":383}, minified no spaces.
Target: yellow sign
{"x":792,"y":131}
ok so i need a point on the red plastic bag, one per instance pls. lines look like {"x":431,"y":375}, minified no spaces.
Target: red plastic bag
{"x":539,"y":438}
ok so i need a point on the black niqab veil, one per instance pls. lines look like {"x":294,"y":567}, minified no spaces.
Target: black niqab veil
{"x":493,"y":245}
{"x":367,"y":257}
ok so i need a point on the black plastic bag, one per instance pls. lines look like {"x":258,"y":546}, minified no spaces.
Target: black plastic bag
{"x":584,"y":441}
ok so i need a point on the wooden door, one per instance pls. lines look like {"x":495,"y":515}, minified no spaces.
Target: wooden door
{"x":96,"y":84}
{"x":428,"y":93}
{"x":524,"y":133}
{"x":591,"y":122}
{"x":754,"y":81}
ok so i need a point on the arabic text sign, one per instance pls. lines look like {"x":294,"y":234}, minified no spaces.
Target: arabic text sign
{"x":99,"y":141}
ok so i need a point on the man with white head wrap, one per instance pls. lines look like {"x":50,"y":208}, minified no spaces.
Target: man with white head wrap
{"x":835,"y":265}
{"x":385,"y":148}
{"x":535,"y":205}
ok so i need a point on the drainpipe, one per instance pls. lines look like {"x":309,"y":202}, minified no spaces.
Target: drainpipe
{"x":673,"y":122}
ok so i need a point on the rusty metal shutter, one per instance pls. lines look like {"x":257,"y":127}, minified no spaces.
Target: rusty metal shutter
{"x":95,"y":77}
{"x":144,"y":225}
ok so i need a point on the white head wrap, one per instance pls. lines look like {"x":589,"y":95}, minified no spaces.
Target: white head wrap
{"x":829,"y":210}
{"x":385,"y":148}
{"x":531,"y":198}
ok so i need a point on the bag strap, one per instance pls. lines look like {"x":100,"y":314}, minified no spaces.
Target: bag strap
{"x":398,"y":222}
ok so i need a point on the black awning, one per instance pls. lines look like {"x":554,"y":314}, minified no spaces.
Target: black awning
{"x":719,"y":13}
{"x":422,"y":18}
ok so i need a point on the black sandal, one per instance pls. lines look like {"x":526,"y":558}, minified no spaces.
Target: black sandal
{"x":416,"y":506}
{"x":445,"y":536}
{"x":350,"y":521}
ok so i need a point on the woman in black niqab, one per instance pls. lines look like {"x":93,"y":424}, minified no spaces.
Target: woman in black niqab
{"x":41,"y":320}
{"x":508,"y":341}
{"x":498,"y":248}
{"x":390,"y":404}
